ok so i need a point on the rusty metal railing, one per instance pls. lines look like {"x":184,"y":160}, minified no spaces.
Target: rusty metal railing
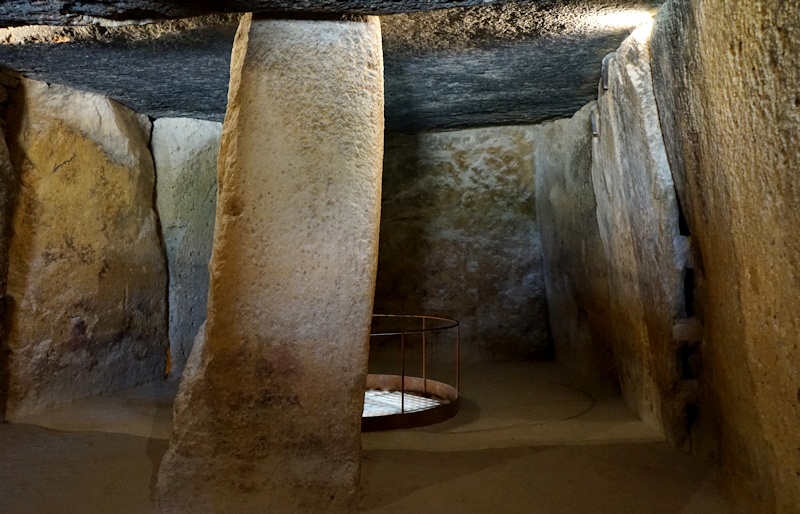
{"x":422,"y":325}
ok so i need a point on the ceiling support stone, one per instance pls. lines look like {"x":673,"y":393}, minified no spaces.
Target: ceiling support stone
{"x":269,"y":412}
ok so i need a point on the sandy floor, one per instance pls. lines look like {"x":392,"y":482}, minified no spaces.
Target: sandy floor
{"x":528,"y":439}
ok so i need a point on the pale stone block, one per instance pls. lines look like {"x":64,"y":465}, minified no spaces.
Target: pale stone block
{"x":185,"y":153}
{"x":688,"y":330}
{"x":269,"y":413}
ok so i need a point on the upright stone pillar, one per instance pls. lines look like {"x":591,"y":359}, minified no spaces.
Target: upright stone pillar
{"x":269,"y":412}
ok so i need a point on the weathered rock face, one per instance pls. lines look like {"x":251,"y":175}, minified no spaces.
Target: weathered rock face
{"x":459,"y":238}
{"x":726,"y":84}
{"x":574,"y":262}
{"x":519,"y":63}
{"x":185,"y":153}
{"x":269,"y":413}
{"x":8,"y":191}
{"x":646,"y":254}
{"x":86,"y":280}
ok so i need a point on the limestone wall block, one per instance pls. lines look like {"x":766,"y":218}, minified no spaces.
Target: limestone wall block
{"x":185,"y":153}
{"x":86,"y":279}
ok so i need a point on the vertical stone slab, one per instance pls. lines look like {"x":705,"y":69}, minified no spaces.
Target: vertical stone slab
{"x":86,"y":280}
{"x":185,"y":152}
{"x":268,"y":416}
{"x":727,"y":75}
{"x":637,"y":213}
{"x":575,"y":271}
{"x":459,"y":238}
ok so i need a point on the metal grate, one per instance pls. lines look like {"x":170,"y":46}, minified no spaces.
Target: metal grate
{"x":386,"y":403}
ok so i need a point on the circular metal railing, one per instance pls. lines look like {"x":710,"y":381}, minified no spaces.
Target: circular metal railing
{"x":411,"y":401}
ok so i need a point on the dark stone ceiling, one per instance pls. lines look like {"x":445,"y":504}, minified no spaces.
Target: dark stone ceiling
{"x":66,"y":12}
{"x":511,"y":63}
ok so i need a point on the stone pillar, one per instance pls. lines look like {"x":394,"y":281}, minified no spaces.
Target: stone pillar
{"x":269,"y":412}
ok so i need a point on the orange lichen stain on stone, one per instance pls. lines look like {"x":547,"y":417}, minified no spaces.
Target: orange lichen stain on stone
{"x":168,"y":365}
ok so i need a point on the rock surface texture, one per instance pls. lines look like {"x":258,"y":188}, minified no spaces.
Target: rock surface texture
{"x":86,"y":281}
{"x":269,"y":413}
{"x":185,"y":153}
{"x":518,"y":63}
{"x":727,"y":75}
{"x":646,"y":255}
{"x":459,"y":238}
{"x":574,"y":263}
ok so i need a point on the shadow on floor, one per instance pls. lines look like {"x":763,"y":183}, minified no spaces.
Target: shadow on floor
{"x":647,"y":478}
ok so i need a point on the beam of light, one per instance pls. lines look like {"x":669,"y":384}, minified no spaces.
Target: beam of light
{"x":616,"y":20}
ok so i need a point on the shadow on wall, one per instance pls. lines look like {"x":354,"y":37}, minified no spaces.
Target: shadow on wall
{"x":459,"y":238}
{"x":8,"y":194}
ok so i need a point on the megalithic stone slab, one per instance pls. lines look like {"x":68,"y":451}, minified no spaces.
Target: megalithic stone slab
{"x":269,"y":412}
{"x":637,"y":213}
{"x":86,"y":276}
{"x":185,"y":152}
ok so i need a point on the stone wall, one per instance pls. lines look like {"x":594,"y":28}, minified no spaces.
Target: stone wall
{"x":727,"y":75}
{"x":185,"y":153}
{"x":459,"y":237}
{"x":86,"y":310}
{"x":574,"y":261}
{"x":646,"y":255}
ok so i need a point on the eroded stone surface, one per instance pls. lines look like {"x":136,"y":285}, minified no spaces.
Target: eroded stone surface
{"x":86,"y":280}
{"x":573,"y":258}
{"x":185,"y":153}
{"x":726,"y":83}
{"x":459,"y":238}
{"x":268,"y":417}
{"x":637,"y":213}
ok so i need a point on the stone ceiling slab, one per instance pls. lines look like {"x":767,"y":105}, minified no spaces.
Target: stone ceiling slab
{"x":519,"y":63}
{"x":88,"y":12}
